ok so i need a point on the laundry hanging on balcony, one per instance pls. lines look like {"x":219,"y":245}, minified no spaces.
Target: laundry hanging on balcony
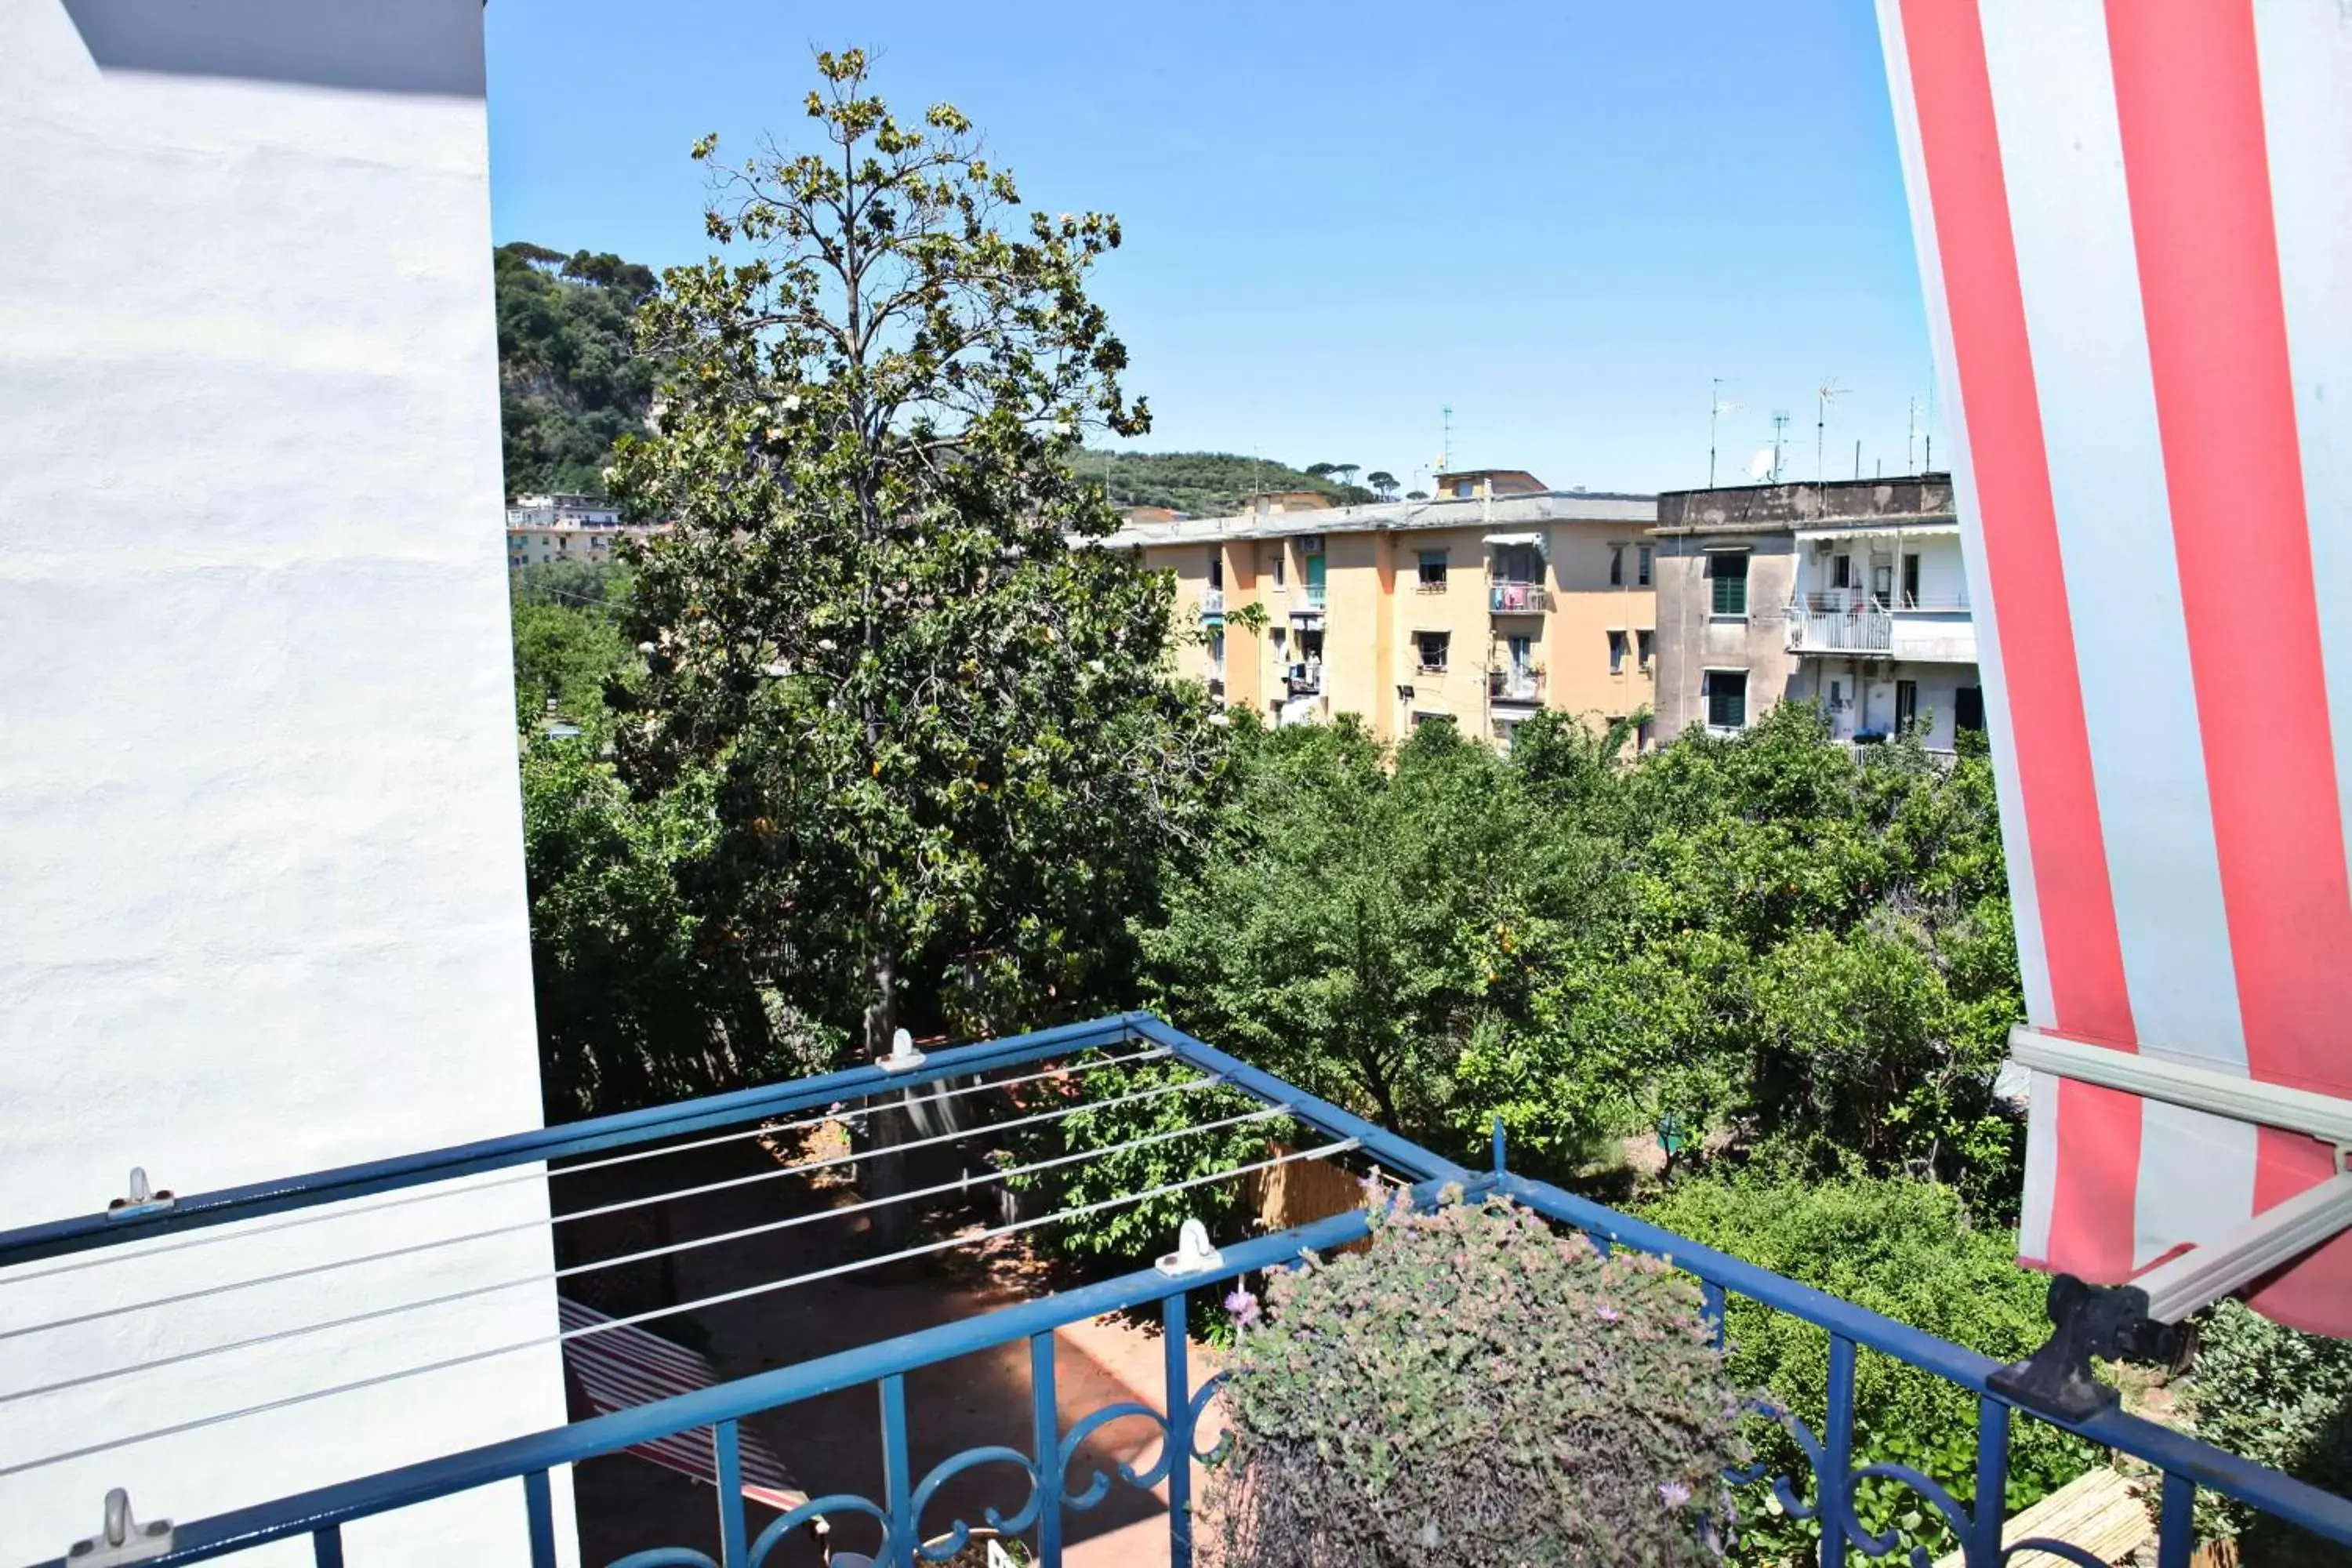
{"x":2132,"y":224}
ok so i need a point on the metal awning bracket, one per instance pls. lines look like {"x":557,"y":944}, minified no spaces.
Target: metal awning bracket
{"x":121,"y":1539}
{"x":141,"y":1199}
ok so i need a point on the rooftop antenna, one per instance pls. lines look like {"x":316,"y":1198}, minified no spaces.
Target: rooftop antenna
{"x":1715,"y":408}
{"x":1911,"y":438}
{"x":1780,"y":440}
{"x":1445,"y":447}
{"x":1760,"y":467}
{"x":1829,"y":392}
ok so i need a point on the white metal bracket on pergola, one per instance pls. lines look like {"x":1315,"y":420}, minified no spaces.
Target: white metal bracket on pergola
{"x":2211,"y":1270}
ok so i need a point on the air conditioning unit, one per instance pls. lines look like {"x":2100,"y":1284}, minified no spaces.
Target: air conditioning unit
{"x":1823,"y":546}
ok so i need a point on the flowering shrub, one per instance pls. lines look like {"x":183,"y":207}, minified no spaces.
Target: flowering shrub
{"x":1474,"y":1388}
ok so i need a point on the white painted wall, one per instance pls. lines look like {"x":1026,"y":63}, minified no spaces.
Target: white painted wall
{"x":261,"y":894}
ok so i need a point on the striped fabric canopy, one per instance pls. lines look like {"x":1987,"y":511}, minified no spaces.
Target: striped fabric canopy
{"x":621,"y":1367}
{"x":2134,"y":225}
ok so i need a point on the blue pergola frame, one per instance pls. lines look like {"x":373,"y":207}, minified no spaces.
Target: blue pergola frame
{"x":2185,"y":1464}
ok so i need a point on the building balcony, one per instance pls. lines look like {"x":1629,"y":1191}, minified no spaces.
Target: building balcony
{"x":1935,"y":631}
{"x":1212,"y":601}
{"x":1303,"y":680}
{"x":1507,"y":685}
{"x":1036,"y":1469}
{"x":1518,"y":598}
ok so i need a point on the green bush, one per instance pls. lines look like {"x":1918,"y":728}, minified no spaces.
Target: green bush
{"x":2280,"y":1398}
{"x":1112,"y":1115}
{"x":1908,"y":1249}
{"x":1474,"y":1388}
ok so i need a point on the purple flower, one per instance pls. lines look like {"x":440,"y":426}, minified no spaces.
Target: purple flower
{"x":1244,"y":1307}
{"x":1674,"y":1494}
{"x":1605,"y":1312}
{"x":837,"y":1108}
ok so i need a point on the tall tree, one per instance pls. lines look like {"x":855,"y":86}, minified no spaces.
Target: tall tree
{"x":1383,"y":483}
{"x":948,"y":768}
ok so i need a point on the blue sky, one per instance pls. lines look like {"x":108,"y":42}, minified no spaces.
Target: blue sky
{"x":1561,"y":219}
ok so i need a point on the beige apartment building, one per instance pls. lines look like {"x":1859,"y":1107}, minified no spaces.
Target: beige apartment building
{"x":1480,"y":609}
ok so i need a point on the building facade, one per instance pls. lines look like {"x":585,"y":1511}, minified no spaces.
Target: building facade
{"x":1849,"y":594}
{"x":265,"y":909}
{"x":548,"y":527}
{"x":1481,"y":611}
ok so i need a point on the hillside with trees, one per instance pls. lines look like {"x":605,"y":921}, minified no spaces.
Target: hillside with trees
{"x":570,"y":381}
{"x":1211,"y":484}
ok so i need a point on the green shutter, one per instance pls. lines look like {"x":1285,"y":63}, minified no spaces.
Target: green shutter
{"x":1730,"y":574}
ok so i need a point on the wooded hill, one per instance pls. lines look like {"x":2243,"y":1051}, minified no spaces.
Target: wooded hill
{"x":570,"y":381}
{"x":1204,"y":484}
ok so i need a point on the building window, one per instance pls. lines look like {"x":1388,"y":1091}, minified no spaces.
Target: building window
{"x":1517,"y":564}
{"x":1217,"y":652}
{"x":1841,"y":572}
{"x":1616,"y":565}
{"x":1645,"y":647}
{"x":1429,"y":650}
{"x":1281,"y":564}
{"x":1462,"y":490}
{"x":1216,"y":569}
{"x":1726,"y":699}
{"x":1967,"y":707}
{"x":1730,"y":574}
{"x":1616,"y":653}
{"x":1910,"y":582}
{"x":1432,"y":571}
{"x":1641,"y":565}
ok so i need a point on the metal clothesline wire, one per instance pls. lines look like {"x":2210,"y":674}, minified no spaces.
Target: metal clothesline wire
{"x":609,"y":1325}
{"x":307,"y":1270}
{"x":766,"y":1129}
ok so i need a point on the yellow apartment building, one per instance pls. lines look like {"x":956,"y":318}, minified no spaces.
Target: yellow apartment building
{"x":1481,"y":608}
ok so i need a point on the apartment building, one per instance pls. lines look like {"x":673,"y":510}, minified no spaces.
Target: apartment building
{"x":544,"y":528}
{"x":1482,"y":609}
{"x":1849,"y":594}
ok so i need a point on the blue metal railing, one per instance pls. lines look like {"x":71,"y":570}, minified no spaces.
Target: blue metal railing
{"x":2184,"y":1463}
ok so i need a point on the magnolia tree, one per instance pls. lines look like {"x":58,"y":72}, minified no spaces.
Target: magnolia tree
{"x":949,"y":764}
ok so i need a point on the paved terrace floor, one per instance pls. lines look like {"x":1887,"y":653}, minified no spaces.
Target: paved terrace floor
{"x":832,"y":1444}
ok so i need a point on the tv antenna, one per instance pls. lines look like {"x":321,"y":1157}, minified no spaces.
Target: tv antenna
{"x":1829,"y":392}
{"x":1446,"y":445}
{"x":1715,"y":409}
{"x":1780,"y":441}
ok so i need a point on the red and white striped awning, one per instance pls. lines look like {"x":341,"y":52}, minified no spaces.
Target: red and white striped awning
{"x":624,"y":1366}
{"x":2134,"y":224}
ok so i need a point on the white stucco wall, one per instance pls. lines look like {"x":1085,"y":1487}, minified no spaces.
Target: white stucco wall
{"x":261,"y":893}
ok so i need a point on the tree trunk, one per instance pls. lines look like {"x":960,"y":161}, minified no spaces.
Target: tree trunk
{"x":884,"y":1166}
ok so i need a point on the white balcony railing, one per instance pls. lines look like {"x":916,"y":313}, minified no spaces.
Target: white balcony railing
{"x":1212,"y":601}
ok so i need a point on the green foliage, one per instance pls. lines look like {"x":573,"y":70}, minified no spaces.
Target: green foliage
{"x":1120,"y":1109}
{"x":570,"y":380}
{"x":2281,"y":1398}
{"x":1810,"y":947}
{"x":636,"y":1007}
{"x":1359,"y":920}
{"x":564,"y":652}
{"x":1474,"y":1388}
{"x":1206,"y":484}
{"x":946,"y":768}
{"x":1907,"y":1248}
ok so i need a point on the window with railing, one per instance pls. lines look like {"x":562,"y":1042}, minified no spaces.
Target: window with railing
{"x":1432,"y":576}
{"x":1429,"y":652}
